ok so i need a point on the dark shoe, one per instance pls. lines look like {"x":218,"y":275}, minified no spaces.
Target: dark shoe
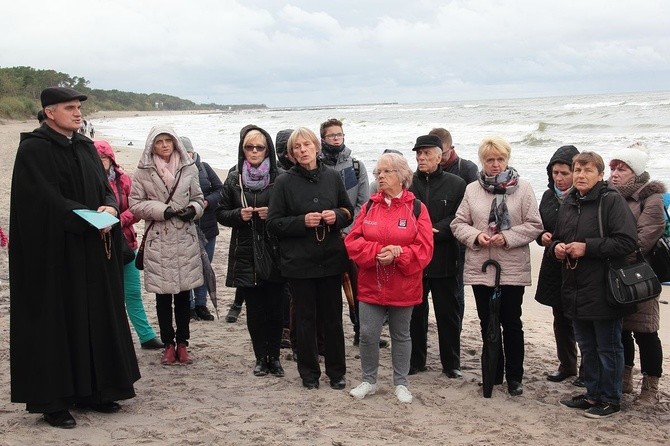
{"x":579,"y":382}
{"x":383,"y":343}
{"x":338,"y":383}
{"x":602,"y":410}
{"x":357,"y":339}
{"x":194,"y":315}
{"x":182,"y":355}
{"x":578,"y":402}
{"x":311,"y":385}
{"x":152,"y":344}
{"x":453,"y":373}
{"x":275,"y":368}
{"x":559,"y":376}
{"x":414,"y":370}
{"x":514,"y":388}
{"x":62,"y":419}
{"x":261,"y":368}
{"x":169,"y":355}
{"x":108,"y":407}
{"x":203,"y":313}
{"x":233,"y":313}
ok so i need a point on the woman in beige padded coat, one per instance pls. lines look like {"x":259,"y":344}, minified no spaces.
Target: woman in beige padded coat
{"x":172,"y":263}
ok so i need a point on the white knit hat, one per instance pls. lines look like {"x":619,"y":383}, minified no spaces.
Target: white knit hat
{"x":635,"y":156}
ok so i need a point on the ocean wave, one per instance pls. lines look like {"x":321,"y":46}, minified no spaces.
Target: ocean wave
{"x":534,"y":141}
{"x":589,"y":126}
{"x":594,"y":105}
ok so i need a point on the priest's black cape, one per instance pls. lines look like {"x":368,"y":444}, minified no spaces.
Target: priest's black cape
{"x":70,"y":342}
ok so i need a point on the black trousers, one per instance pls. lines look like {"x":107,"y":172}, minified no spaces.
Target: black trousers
{"x":182,"y":316}
{"x":444,"y":291}
{"x":512,"y":327}
{"x":316,"y":298}
{"x":651,"y":352}
{"x":264,"y":317}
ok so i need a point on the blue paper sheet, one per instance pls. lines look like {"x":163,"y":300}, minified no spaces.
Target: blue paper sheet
{"x":97,"y":219}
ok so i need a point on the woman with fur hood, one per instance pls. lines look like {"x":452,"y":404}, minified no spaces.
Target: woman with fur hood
{"x":166,"y":194}
{"x":645,"y":199}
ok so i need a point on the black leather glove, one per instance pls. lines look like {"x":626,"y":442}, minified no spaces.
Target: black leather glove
{"x":169,"y":213}
{"x":186,"y":214}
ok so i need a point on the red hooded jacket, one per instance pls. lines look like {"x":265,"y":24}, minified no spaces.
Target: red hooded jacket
{"x":399,"y":284}
{"x":121,"y":187}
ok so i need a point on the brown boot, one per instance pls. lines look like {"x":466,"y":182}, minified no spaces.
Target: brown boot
{"x":649,"y":394}
{"x":628,"y":379}
{"x":169,"y":356}
{"x":182,"y":354}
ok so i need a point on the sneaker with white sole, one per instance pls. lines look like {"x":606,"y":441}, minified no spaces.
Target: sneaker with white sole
{"x":363,"y":389}
{"x":403,"y":394}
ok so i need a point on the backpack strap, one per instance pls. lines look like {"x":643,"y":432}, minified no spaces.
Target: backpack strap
{"x":357,"y":167}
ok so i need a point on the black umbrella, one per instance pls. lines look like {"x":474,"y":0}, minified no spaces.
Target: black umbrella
{"x":208,"y":272}
{"x":491,"y":352}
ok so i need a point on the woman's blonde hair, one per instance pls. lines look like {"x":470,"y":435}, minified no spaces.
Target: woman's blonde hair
{"x":303,"y":132}
{"x":494,"y":145}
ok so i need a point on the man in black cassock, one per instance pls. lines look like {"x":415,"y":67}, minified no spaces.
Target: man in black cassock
{"x":70,"y":344}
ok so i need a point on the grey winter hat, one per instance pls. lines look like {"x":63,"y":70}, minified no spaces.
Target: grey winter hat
{"x":186,"y":142}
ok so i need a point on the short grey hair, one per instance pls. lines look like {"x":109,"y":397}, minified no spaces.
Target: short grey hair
{"x":399,"y":163}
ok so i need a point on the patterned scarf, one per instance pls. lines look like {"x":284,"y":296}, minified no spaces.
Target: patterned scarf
{"x":256,"y":178}
{"x":561,"y":194}
{"x":501,"y":185}
{"x":167,"y":170}
{"x":633,"y":185}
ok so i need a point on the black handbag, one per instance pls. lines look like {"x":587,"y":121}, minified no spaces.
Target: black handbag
{"x":127,"y":251}
{"x":629,"y":285}
{"x":659,"y":257}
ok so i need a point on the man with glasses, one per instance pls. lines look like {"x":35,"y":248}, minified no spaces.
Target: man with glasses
{"x":336,"y":154}
{"x":442,"y":193}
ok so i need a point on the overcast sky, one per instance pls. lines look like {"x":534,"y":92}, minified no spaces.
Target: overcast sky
{"x":308,"y":52}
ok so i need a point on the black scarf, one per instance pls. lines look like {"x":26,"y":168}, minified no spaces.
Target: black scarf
{"x":331,"y":153}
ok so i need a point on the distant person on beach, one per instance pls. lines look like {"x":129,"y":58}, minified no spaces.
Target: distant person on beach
{"x":392,"y":245}
{"x":70,"y":343}
{"x":585,"y":255}
{"x":308,"y":209}
{"x":645,"y":200}
{"x":548,"y":292}
{"x":211,"y":187}
{"x":120,"y":183}
{"x":335,"y":154}
{"x":166,"y":194}
{"x":467,"y":170}
{"x":247,"y":192}
{"x":497,"y":220}
{"x":442,"y":193}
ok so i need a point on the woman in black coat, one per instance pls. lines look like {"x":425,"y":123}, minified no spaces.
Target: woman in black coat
{"x":585,"y":255}
{"x":244,"y":207}
{"x":559,"y":172}
{"x":308,"y":209}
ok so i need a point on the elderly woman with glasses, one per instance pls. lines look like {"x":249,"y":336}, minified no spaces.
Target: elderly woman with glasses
{"x":391,"y":242}
{"x":497,"y":220}
{"x":308,"y":209}
{"x":244,"y":207}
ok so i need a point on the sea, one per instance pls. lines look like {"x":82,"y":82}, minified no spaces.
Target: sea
{"x":535,"y":128}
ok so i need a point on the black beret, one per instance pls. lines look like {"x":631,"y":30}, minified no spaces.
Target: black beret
{"x":428,"y":141}
{"x":56,"y":95}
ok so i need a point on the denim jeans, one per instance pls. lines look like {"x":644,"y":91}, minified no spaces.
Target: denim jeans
{"x":199,"y":295}
{"x":602,"y":356}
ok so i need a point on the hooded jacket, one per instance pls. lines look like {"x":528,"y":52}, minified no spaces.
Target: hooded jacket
{"x":211,"y":186}
{"x":548,"y":290}
{"x":583,"y":288}
{"x":241,"y":271}
{"x":308,"y":253}
{"x":121,"y":187}
{"x":282,"y":157}
{"x":647,"y":205}
{"x":472,"y":219}
{"x":399,"y":284}
{"x":172,"y":260}
{"x":442,"y":193}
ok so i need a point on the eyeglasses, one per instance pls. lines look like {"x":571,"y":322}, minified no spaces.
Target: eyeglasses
{"x":334,"y":136}
{"x":252,"y":147}
{"x":376,"y":172}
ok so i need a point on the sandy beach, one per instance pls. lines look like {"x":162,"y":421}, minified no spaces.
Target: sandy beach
{"x":217,"y":400}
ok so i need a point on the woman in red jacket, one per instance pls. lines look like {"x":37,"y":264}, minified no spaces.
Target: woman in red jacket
{"x":120,"y":183}
{"x":391,"y":244}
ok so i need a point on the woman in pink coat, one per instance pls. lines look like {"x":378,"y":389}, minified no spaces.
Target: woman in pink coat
{"x":391,"y":243}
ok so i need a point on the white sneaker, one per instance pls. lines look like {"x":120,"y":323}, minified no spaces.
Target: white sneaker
{"x":363,"y":389}
{"x":403,"y":394}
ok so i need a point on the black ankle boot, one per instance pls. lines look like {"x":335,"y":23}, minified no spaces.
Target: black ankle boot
{"x":275,"y":367}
